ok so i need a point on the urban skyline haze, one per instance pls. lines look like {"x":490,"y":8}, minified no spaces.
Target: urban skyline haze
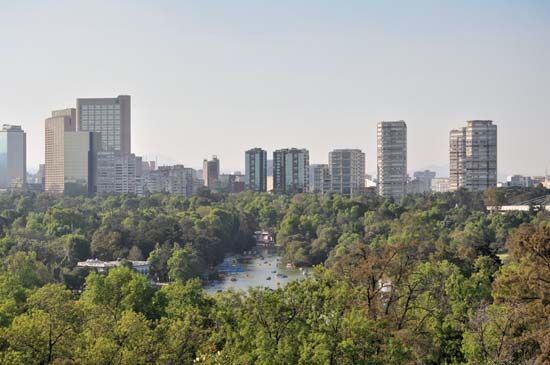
{"x":209,"y":78}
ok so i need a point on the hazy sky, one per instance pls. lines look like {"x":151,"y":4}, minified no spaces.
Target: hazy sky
{"x":218,"y":77}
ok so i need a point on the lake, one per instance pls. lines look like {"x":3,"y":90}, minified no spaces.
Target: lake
{"x":242,"y":272}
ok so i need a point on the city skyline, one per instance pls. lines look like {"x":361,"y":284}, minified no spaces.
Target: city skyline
{"x":270,"y":76}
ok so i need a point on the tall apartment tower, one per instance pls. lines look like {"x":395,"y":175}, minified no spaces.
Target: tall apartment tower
{"x":319,"y":178}
{"x":60,"y":122}
{"x":291,"y":170}
{"x":457,"y":158}
{"x":392,"y":159}
{"x":110,"y":117}
{"x":473,"y":156}
{"x":13,"y":157}
{"x":347,"y":171}
{"x":255,"y":175}
{"x":210,"y":171}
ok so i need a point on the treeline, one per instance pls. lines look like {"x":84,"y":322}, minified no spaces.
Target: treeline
{"x":187,"y":236}
{"x":433,"y":279}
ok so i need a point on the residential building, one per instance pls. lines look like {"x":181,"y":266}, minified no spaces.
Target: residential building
{"x":111,"y":117}
{"x":255,"y":175}
{"x":392,"y":159}
{"x":473,"y":156}
{"x":56,"y":126}
{"x":347,"y":171}
{"x":440,"y":184}
{"x":291,"y":170}
{"x":210,"y":171}
{"x":229,"y":183}
{"x":319,"y":178}
{"x":175,"y":179}
{"x":13,"y":157}
{"x":119,"y":173}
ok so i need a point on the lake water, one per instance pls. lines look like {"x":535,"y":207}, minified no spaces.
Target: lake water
{"x":242,"y":272}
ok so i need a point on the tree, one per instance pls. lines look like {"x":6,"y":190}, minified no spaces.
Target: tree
{"x":47,"y":331}
{"x":184,"y":264}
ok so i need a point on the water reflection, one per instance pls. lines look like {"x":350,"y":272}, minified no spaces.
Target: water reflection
{"x":263,"y":269}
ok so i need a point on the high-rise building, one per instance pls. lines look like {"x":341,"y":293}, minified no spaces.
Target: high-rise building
{"x":60,"y":122}
{"x":255,"y":175}
{"x":80,"y":162}
{"x":210,"y":171}
{"x":392,"y":159}
{"x":291,"y":170}
{"x":347,"y":171}
{"x":119,"y":173}
{"x":319,"y":178}
{"x":111,"y":117}
{"x":473,"y":156}
{"x":13,"y":157}
{"x":457,"y":154}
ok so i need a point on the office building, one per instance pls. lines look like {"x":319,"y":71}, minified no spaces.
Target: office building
{"x":425,"y":177}
{"x":519,"y":181}
{"x":392,"y":159}
{"x":80,"y":162}
{"x":319,"y":178}
{"x":347,"y":171}
{"x":291,"y":170}
{"x":255,"y":176}
{"x":473,"y":156}
{"x":210,"y":171}
{"x":60,"y":122}
{"x":111,"y":117}
{"x":119,"y":173}
{"x":417,"y":186}
{"x":13,"y":157}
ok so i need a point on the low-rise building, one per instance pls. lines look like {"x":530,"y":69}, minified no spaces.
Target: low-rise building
{"x":100,"y":266}
{"x":441,"y":184}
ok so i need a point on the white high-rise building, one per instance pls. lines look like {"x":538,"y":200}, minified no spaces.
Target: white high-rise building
{"x":392,"y":159}
{"x":347,"y":171}
{"x":13,"y":157}
{"x":473,"y":156}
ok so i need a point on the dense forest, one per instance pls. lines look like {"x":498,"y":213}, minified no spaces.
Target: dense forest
{"x":431,"y":279}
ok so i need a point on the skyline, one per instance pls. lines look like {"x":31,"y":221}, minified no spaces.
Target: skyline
{"x":314,"y":77}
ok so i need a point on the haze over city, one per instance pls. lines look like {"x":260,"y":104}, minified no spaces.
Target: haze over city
{"x":222,"y":77}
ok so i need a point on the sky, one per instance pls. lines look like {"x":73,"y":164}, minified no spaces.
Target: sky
{"x":219,"y":77}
